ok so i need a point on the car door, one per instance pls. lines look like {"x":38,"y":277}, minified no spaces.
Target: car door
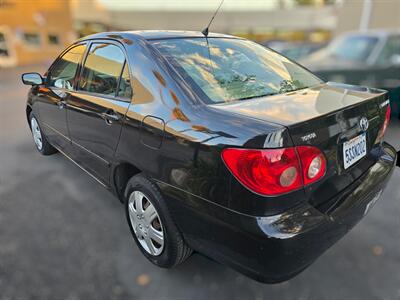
{"x":97,"y":108}
{"x":53,"y":95}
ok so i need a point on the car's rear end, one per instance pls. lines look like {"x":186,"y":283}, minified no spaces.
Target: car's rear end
{"x":290,"y":199}
{"x":350,"y":139}
{"x":337,"y":166}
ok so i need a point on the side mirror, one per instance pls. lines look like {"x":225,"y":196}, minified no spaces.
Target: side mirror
{"x":395,"y":60}
{"x":32,"y":79}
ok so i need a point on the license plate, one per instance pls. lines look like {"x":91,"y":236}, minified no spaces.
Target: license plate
{"x":354,"y":150}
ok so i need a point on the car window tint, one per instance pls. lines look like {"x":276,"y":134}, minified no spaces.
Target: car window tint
{"x":63,"y":71}
{"x":102,"y":69}
{"x":125,"y":89}
{"x":390,"y":50}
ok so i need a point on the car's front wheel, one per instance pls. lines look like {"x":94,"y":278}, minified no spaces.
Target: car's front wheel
{"x":151,"y":224}
{"x":41,"y":143}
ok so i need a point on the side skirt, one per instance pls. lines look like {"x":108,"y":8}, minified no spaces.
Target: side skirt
{"x":82,"y":168}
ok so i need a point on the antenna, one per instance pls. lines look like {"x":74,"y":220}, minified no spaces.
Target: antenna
{"x":205,"y":30}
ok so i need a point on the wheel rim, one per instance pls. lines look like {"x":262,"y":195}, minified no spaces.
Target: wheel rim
{"x":146,"y":223}
{"x":37,"y":135}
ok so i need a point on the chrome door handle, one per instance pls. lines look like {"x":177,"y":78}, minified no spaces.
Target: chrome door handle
{"x":61,"y":104}
{"x":110,"y":117}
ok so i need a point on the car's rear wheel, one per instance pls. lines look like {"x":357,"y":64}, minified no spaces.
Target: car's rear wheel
{"x":151,"y":225}
{"x":41,"y":143}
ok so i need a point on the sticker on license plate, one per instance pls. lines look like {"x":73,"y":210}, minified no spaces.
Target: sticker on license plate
{"x":354,"y":150}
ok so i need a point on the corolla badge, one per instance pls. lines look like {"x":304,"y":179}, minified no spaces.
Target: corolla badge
{"x":364,"y":124}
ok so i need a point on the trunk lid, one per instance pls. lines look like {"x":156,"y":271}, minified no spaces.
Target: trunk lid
{"x":326,"y":116}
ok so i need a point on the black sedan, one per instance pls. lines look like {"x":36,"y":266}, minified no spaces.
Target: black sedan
{"x":215,"y":144}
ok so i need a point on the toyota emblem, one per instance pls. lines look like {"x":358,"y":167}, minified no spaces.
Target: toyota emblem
{"x":364,"y":124}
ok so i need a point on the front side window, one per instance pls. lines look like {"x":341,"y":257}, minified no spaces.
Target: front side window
{"x":232,"y":69}
{"x":62,"y":73}
{"x":102,"y":69}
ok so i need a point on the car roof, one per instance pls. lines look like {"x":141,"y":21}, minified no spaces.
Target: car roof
{"x":152,"y":35}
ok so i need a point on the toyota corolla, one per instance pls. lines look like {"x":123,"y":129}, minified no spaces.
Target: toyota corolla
{"x":215,"y":144}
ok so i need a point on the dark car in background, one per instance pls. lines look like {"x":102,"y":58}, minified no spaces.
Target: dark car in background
{"x":216,"y":145}
{"x":370,"y":58}
{"x":295,"y":50}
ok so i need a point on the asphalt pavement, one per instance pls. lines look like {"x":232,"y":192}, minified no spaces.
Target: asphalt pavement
{"x":62,"y":236}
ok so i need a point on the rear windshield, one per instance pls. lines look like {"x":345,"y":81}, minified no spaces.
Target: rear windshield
{"x":226,"y":69}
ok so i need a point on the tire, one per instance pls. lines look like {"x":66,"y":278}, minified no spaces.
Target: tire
{"x":174,"y":249}
{"x":43,"y":146}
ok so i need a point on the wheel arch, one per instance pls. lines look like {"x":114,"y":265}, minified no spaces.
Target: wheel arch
{"x":28,"y":111}
{"x":122,"y":172}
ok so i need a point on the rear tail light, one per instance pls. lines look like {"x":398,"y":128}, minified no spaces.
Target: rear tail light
{"x":387,"y":119}
{"x":381,"y":133}
{"x":275,"y":171}
{"x":313,"y":163}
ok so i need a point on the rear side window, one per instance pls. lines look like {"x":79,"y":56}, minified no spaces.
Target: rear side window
{"x":63,"y":71}
{"x":102,"y":69}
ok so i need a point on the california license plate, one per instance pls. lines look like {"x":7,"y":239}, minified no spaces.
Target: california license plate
{"x":354,"y":150}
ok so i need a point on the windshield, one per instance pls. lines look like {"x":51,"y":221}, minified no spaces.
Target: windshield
{"x":232,"y":69}
{"x":354,"y":48}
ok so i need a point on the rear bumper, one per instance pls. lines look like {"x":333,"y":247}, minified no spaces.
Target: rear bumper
{"x":275,"y":248}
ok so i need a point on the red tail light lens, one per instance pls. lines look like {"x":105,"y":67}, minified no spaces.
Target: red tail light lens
{"x":265,"y":171}
{"x":275,"y":171}
{"x":387,"y":119}
{"x":381,"y":133}
{"x":313,"y":163}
